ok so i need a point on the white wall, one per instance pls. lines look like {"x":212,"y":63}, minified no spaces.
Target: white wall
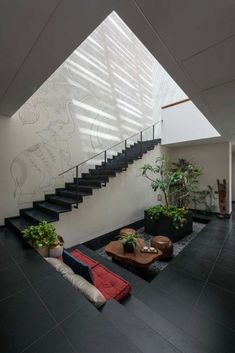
{"x":110,"y":88}
{"x":185,"y":122}
{"x":233,"y":176}
{"x":121,"y":202}
{"x":212,"y":158}
{"x":230,"y":177}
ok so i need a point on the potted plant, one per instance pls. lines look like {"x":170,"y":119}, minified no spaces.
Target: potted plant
{"x":44,"y":239}
{"x":56,"y":250}
{"x":129,"y":242}
{"x":177,"y":181}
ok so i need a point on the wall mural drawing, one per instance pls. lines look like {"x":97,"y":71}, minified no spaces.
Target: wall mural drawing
{"x":36,"y":169}
{"x":108,"y":89}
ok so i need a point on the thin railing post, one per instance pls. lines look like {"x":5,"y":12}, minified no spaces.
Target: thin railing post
{"x":76,"y":206}
{"x":126,"y":154}
{"x":141,"y":143}
{"x":153,"y":131}
{"x":105,"y":165}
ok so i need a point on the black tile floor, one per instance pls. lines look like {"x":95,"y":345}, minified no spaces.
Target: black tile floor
{"x":188,"y":308}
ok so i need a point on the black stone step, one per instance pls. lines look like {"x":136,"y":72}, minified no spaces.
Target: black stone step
{"x":110,"y":173}
{"x":37,"y":216}
{"x":119,"y":167}
{"x":142,"y":336}
{"x":176,"y":336}
{"x":101,"y":178}
{"x":18,"y":224}
{"x":61,"y":200}
{"x":90,"y":183}
{"x":136,"y":149}
{"x":51,"y":208}
{"x":202,"y":218}
{"x":75,"y":195}
{"x":137,"y":283}
{"x":131,"y":155}
{"x":83,"y":188}
{"x":122,"y":159}
{"x":114,"y":164}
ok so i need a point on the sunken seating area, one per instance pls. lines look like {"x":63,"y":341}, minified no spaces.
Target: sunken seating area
{"x":107,"y":282}
{"x":182,"y":310}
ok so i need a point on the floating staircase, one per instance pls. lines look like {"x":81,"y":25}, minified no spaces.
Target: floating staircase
{"x":73,"y":193}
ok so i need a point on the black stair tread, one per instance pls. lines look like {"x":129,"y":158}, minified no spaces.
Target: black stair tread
{"x":74,"y":193}
{"x":68,"y":200}
{"x":20,"y":223}
{"x":39,"y":215}
{"x":83,"y":187}
{"x":136,"y":282}
{"x":93,"y":183}
{"x":176,"y":336}
{"x":114,"y":168}
{"x":110,"y":173}
{"x":136,"y":330}
{"x":116,"y":162}
{"x":100,"y":178}
{"x":53,"y":206}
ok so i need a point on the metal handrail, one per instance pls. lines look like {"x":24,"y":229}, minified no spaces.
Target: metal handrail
{"x":123,"y":141}
{"x":105,"y":156}
{"x":176,"y":103}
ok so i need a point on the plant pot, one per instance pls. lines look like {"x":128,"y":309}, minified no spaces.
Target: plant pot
{"x":43,"y":251}
{"x":163,"y":225}
{"x":128,"y":247}
{"x":56,"y":251}
{"x":61,"y":240}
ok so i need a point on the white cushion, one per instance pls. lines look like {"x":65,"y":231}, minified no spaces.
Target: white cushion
{"x":87,"y":289}
{"x":59,"y":266}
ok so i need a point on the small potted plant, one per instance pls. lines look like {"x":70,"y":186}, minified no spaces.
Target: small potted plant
{"x":44,"y":239}
{"x":56,"y":250}
{"x":129,"y":242}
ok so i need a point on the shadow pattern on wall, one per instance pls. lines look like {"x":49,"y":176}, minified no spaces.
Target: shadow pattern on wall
{"x":111,"y":87}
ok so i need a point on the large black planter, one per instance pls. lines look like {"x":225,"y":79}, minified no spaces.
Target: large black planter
{"x":164,"y":226}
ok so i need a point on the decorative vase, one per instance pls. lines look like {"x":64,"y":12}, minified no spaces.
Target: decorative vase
{"x":56,"y":251}
{"x":129,"y":247}
{"x":43,"y":251}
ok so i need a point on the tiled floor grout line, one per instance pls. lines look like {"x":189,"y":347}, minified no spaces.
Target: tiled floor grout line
{"x":207,"y":279}
{"x":30,"y":285}
{"x":14,"y":294}
{"x":48,"y":311}
{"x":38,"y":339}
{"x":171,"y":323}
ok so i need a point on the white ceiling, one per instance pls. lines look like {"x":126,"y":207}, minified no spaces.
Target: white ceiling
{"x":193,"y":39}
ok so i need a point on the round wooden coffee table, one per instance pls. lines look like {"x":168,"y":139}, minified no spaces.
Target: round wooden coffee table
{"x":140,"y":260}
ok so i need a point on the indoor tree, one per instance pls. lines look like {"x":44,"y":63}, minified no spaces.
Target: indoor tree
{"x":178,"y":182}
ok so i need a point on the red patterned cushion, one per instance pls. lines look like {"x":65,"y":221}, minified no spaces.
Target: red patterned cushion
{"x":108,"y":282}
{"x":86,"y":259}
